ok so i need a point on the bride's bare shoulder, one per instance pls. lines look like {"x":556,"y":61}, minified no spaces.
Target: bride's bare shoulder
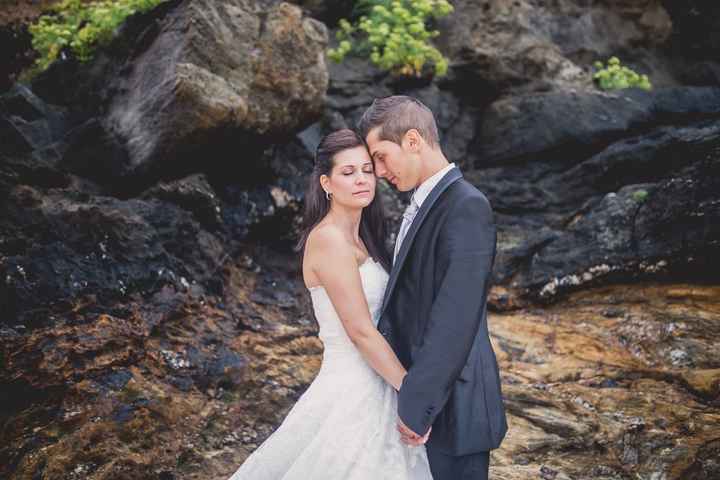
{"x":325,"y":246}
{"x":326,"y":238}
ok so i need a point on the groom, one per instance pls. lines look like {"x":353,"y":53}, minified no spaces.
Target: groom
{"x":435,"y":308}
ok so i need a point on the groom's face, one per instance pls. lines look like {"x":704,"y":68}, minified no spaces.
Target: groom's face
{"x":393,"y":162}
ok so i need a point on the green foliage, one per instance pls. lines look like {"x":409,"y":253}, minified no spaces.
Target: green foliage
{"x":81,"y":26}
{"x":640,"y":195}
{"x":394,"y":35}
{"x":616,"y":76}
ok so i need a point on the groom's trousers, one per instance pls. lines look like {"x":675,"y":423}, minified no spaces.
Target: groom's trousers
{"x":465,"y":467}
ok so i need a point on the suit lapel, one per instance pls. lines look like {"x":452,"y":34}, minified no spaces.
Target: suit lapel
{"x":450,"y":177}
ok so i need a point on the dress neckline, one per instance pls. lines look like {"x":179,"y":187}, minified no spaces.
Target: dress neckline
{"x":366,"y":262}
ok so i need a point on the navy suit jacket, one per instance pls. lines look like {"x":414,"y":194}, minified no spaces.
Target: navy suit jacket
{"x":434,"y":316}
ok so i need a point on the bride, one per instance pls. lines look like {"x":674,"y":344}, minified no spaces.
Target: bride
{"x":345,"y":424}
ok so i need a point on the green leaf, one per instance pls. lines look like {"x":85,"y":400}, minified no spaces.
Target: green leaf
{"x":394,"y":35}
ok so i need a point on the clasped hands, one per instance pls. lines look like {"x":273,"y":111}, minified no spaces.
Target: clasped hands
{"x":409,"y":437}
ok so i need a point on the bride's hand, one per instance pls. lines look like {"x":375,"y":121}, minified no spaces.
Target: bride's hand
{"x":410,"y":437}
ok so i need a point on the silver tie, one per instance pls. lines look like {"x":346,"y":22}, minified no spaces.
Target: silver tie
{"x":408,"y":216}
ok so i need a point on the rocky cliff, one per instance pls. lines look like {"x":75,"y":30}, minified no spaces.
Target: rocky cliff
{"x":153,"y":323}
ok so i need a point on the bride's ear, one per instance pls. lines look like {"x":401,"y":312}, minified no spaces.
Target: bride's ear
{"x":325,"y":183}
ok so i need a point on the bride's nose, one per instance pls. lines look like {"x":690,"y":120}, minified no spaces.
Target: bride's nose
{"x":362,"y":177}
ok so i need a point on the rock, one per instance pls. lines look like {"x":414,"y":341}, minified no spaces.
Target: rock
{"x":235,"y":82}
{"x":15,"y":39}
{"x":91,"y":151}
{"x":544,"y":199}
{"x":193,"y":194}
{"x":327,"y":11}
{"x":498,"y":46}
{"x":66,"y":248}
{"x":576,"y":124}
{"x":27,"y":123}
{"x":226,"y":67}
{"x":607,"y":409}
{"x":101,"y":380}
{"x":622,"y":235}
{"x":696,"y":28}
{"x":148,"y":292}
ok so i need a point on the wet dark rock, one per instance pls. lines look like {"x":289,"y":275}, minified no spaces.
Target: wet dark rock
{"x":548,"y":473}
{"x":328,"y":12}
{"x":696,"y":28}
{"x":27,"y":123}
{"x":16,"y":52}
{"x":578,"y":124}
{"x":192,"y":194}
{"x":628,"y":236}
{"x":110,"y":248}
{"x":91,"y":151}
{"x":603,"y":205}
{"x":115,"y":380}
{"x":613,"y":312}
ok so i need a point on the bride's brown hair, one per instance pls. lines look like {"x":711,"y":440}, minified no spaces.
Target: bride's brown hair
{"x":372,"y":221}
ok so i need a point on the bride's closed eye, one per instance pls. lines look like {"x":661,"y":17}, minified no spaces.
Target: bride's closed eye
{"x":365,"y":170}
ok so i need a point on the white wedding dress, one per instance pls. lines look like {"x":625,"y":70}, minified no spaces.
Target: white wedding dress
{"x":343,"y":427}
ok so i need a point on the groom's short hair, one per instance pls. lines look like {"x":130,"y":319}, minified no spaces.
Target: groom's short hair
{"x":396,"y":115}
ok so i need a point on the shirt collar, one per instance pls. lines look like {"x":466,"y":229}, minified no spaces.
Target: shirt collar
{"x":424,"y":189}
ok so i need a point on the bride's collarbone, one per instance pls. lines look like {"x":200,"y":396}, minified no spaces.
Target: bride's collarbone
{"x":361,"y":262}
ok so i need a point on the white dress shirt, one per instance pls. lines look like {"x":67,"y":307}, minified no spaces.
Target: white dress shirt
{"x":416,"y":200}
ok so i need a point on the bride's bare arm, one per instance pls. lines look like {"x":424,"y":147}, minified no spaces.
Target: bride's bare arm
{"x":338,"y":272}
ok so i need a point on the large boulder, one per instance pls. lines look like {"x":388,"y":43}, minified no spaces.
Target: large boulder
{"x":189,"y":86}
{"x":499,"y":46}
{"x":219,"y":69}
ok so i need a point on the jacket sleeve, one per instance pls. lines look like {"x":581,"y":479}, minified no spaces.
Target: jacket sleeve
{"x":464,"y":259}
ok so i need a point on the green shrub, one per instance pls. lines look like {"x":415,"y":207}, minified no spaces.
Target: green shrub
{"x":394,"y":35}
{"x":640,"y":195}
{"x":616,"y":76}
{"x":81,"y":26}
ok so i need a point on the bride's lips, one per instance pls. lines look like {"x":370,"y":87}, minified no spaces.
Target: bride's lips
{"x":362,"y":192}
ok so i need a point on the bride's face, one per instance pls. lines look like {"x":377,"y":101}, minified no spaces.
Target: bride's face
{"x":352,"y":178}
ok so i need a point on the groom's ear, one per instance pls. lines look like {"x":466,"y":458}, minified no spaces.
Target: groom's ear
{"x":412,"y":140}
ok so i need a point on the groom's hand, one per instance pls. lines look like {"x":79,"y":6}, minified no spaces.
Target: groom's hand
{"x":410,"y":437}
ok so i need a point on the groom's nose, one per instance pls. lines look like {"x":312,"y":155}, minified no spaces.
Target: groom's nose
{"x":380,"y":169}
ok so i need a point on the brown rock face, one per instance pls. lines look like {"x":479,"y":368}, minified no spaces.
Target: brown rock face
{"x":496,"y":45}
{"x":216,"y":67}
{"x":181,"y":389}
{"x":618,"y":382}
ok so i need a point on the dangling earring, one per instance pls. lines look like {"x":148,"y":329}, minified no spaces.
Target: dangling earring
{"x":327,"y":196}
